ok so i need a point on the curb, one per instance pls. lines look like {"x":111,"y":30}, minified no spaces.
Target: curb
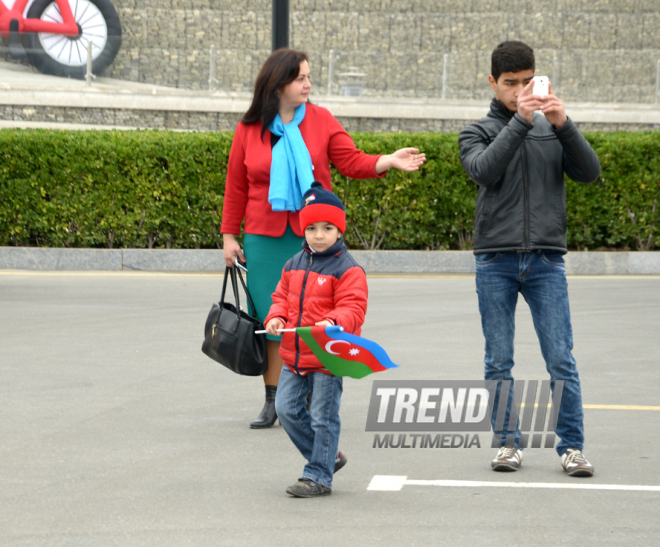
{"x":210,"y":260}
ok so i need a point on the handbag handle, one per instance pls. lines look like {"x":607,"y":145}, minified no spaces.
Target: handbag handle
{"x":234,"y":284}
{"x":247,"y":293}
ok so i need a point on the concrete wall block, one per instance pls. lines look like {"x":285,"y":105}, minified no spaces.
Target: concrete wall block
{"x":481,"y":85}
{"x":641,"y":263}
{"x":201,"y":260}
{"x":49,"y":259}
{"x":308,"y":31}
{"x":486,"y":7}
{"x":239,"y":30}
{"x":629,"y":30}
{"x":576,"y":31}
{"x":429,"y":74}
{"x":440,"y":6}
{"x":328,"y":5}
{"x":572,"y":72}
{"x":603,"y":31}
{"x":377,"y":30}
{"x":402,"y":73}
{"x":648,"y":6}
{"x":596,"y":263}
{"x":476,"y":32}
{"x":651,"y":32}
{"x":406,"y":29}
{"x":626,"y":93}
{"x":342,"y":31}
{"x":305,"y":5}
{"x":637,"y":67}
{"x":436,"y":33}
{"x":527,"y":7}
{"x":538,"y":29}
{"x":463,"y":69}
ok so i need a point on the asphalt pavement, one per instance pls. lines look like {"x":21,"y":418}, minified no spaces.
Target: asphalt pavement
{"x":115,"y":429}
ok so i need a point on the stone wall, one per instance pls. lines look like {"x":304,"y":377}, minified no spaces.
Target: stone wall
{"x":226,"y":121}
{"x":605,"y":50}
{"x":598,"y":50}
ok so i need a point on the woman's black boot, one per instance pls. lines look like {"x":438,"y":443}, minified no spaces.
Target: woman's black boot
{"x":268,"y":414}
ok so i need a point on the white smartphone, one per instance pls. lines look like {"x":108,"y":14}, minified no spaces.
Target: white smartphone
{"x":541,"y":85}
{"x":240,"y":265}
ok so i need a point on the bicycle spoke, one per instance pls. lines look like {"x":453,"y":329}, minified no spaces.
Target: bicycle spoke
{"x":59,"y":55}
{"x":75,"y":11}
{"x":90,"y":18}
{"x":60,"y":36}
{"x":84,"y":11}
{"x":51,"y":18}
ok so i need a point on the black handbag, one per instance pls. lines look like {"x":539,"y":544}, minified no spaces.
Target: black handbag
{"x":229,"y":336}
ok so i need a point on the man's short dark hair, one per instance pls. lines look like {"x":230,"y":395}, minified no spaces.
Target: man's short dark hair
{"x":511,"y":56}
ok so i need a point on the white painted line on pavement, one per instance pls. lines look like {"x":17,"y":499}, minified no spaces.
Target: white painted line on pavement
{"x":394,"y":483}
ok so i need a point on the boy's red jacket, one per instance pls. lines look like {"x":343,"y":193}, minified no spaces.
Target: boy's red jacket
{"x":314,"y":287}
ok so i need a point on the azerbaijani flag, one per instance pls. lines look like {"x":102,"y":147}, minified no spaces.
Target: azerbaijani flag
{"x":345,"y":354}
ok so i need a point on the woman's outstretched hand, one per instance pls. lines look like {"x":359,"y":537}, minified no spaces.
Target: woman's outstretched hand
{"x":405,"y":159}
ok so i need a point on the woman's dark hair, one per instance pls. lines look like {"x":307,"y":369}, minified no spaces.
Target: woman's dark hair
{"x":511,"y":57}
{"x":280,"y":69}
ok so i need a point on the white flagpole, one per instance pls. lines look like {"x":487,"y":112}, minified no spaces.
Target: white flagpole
{"x":278,"y":330}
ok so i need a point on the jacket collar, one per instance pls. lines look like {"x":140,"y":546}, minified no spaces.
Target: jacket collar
{"x":336,"y":249}
{"x":498,"y":110}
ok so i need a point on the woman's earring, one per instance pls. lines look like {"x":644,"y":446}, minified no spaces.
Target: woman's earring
{"x":278,"y":95}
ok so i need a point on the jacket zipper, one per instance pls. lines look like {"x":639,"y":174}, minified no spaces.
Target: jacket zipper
{"x":526,"y":198}
{"x":302,"y":298}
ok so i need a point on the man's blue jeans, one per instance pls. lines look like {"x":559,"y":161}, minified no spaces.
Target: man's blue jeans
{"x":316,"y":432}
{"x":540,"y":276}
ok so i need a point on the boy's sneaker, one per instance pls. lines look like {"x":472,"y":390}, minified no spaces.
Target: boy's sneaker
{"x":340,"y":461}
{"x":307,"y":488}
{"x":507,"y":459}
{"x":575,"y":464}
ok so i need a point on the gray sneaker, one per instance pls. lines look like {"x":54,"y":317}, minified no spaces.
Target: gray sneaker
{"x":575,"y":464}
{"x":307,"y":488}
{"x":507,"y":459}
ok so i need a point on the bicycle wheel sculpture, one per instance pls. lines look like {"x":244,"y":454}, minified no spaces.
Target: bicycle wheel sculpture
{"x":66,"y":55}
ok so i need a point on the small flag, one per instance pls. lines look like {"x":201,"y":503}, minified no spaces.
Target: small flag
{"x":345,"y":354}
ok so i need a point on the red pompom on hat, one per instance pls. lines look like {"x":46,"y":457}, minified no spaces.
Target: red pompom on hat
{"x":320,"y":205}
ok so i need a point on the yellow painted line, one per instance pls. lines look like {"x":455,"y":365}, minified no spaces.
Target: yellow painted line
{"x":114,"y":273}
{"x":608,"y":407}
{"x":418,"y":276}
{"x":216,"y":274}
{"x":620,"y":407}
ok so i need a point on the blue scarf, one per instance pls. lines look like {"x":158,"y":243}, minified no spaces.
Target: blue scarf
{"x":291,"y":167}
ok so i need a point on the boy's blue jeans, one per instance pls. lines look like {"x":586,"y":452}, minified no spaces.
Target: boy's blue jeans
{"x":316,"y":432}
{"x":540,"y":276}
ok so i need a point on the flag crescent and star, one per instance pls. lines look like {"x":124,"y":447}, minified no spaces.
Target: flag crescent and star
{"x":344,"y":354}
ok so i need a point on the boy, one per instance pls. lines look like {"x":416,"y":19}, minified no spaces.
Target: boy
{"x":518,"y":157}
{"x":322,"y":285}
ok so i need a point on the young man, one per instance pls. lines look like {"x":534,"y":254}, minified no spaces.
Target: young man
{"x":518,"y":157}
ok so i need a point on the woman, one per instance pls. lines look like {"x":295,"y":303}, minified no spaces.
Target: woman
{"x":282,"y":144}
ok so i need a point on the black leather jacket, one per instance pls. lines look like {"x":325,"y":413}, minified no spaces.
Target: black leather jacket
{"x":519,"y":168}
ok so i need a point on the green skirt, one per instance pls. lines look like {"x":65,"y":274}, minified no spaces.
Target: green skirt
{"x":266,"y":257}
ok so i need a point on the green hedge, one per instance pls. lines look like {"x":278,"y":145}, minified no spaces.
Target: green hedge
{"x":156,"y":189}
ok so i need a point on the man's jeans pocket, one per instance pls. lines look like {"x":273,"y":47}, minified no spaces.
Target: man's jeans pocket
{"x":553,"y":258}
{"x":483,"y":259}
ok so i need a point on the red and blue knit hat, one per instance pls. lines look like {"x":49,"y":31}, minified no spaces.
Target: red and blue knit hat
{"x":320,"y":205}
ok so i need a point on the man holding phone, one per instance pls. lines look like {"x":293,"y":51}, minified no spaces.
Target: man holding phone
{"x":517,"y":155}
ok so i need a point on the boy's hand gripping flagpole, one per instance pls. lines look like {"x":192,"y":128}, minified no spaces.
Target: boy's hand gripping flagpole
{"x":341,"y":353}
